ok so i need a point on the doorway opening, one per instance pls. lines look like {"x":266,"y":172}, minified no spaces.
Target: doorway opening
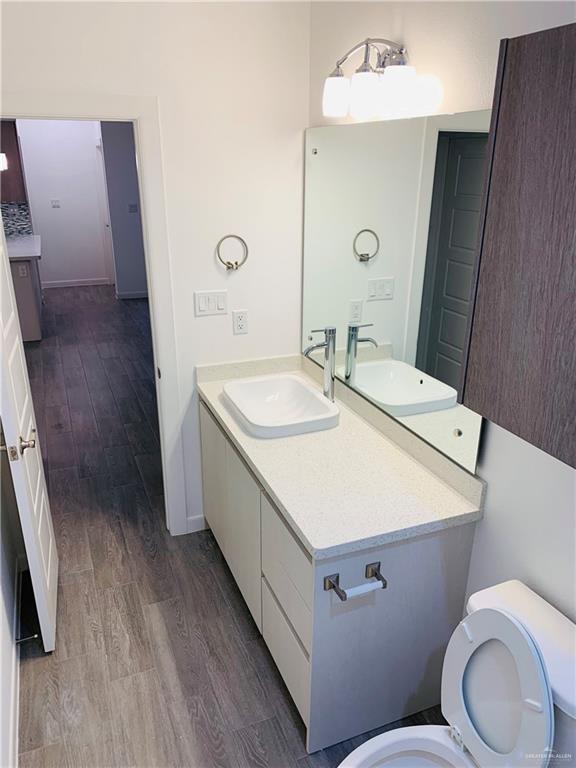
{"x":451,"y":254}
{"x":72,"y":220}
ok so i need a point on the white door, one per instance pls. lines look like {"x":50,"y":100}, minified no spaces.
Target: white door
{"x":23,"y":446}
{"x":104,"y":207}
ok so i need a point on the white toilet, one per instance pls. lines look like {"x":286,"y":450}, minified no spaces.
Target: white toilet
{"x":508,"y":692}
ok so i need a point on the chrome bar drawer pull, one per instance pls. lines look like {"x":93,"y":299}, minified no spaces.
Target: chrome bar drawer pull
{"x":372,"y":572}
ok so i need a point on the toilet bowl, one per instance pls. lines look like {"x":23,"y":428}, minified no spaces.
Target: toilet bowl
{"x":508,"y":692}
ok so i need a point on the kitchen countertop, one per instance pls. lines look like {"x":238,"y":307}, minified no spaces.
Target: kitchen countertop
{"x":344,"y":489}
{"x":23,"y":247}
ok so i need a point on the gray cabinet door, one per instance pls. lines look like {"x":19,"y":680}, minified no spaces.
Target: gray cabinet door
{"x":521,"y":366}
{"x":451,"y":255}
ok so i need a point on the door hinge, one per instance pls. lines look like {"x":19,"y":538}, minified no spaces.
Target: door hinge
{"x":159,"y":372}
{"x":11,"y":450}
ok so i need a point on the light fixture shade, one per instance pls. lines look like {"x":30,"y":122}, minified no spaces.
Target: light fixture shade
{"x":3,"y":162}
{"x":336,"y":96}
{"x":429,"y":94}
{"x":397,"y":92}
{"x":364,"y":95}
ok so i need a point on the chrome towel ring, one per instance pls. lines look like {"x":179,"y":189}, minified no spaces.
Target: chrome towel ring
{"x":232,"y":264}
{"x":364,"y":257}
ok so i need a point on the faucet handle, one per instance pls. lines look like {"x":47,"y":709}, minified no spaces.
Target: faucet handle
{"x":354,"y":324}
{"x":324,"y":330}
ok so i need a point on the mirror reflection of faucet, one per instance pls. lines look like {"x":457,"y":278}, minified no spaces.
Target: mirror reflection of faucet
{"x":352,"y":348}
{"x":329,"y":346}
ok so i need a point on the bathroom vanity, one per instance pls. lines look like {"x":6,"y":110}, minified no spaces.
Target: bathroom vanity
{"x":24,"y":253}
{"x":351,"y":556}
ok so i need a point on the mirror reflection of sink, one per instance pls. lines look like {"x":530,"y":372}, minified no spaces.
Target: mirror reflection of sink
{"x":401,"y":389}
{"x":279,"y":405}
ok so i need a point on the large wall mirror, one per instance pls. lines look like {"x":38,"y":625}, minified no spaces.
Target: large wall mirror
{"x":391,"y":223}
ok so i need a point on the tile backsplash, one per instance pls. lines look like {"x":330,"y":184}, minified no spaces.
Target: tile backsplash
{"x":16,"y":219}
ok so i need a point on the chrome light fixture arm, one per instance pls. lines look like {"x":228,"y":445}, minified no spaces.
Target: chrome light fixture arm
{"x":390,"y":46}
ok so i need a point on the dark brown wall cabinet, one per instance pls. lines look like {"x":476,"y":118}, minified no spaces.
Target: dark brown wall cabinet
{"x":520,"y":370}
{"x":12,"y":189}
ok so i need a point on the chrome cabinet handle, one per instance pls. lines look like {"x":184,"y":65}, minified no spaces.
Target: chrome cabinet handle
{"x":372,"y":572}
{"x":30,"y":443}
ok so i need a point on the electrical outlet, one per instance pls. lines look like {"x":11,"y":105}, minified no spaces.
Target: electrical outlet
{"x":55,"y":203}
{"x":210,"y":303}
{"x":22,"y":270}
{"x":355,"y":310}
{"x":240,"y":321}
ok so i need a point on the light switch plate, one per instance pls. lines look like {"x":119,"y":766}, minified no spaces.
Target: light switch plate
{"x":210,"y":303}
{"x":355,"y":310}
{"x":381,"y":289}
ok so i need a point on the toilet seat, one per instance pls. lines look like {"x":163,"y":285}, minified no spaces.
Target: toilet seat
{"x":496,"y":697}
{"x":418,"y":746}
{"x":495,"y":691}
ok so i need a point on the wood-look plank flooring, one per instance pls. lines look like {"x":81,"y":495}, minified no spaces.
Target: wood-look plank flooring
{"x":158,"y":662}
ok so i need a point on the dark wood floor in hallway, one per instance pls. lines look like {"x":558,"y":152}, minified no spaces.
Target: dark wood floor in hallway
{"x":158,"y":662}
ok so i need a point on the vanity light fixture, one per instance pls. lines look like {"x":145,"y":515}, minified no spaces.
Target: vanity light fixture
{"x":387,"y":89}
{"x":3,"y":162}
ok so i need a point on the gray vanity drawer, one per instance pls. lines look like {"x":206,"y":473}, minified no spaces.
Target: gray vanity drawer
{"x":286,"y":651}
{"x":288,"y":571}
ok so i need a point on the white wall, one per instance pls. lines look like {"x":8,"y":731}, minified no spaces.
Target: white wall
{"x":231,"y":82}
{"x":61,"y":162}
{"x":529,"y":526}
{"x":124,"y":207}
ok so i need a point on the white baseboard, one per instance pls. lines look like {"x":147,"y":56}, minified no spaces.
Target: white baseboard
{"x":72,"y":283}
{"x":196,"y":523}
{"x":132,"y":295}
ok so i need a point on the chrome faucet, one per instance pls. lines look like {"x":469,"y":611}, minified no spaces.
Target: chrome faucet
{"x":352,"y":348}
{"x":329,"y":346}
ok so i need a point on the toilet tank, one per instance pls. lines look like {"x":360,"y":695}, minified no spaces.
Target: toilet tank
{"x":555,"y":636}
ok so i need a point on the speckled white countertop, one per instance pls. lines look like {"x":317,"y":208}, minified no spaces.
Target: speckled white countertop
{"x":347,"y":488}
{"x":22,"y":247}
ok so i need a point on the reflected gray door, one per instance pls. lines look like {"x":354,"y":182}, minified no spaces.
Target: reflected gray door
{"x":451,"y":254}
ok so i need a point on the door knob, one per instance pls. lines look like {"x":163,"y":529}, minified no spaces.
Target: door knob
{"x":30,"y":443}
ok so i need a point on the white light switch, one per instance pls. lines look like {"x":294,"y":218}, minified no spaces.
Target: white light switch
{"x":381,"y":289}
{"x":210,"y":303}
{"x":387,"y":287}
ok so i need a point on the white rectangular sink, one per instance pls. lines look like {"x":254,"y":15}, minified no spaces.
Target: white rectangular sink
{"x":400,"y":389}
{"x":279,"y":405}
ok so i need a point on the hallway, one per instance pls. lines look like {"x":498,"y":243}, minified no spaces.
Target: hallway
{"x":93,"y":387}
{"x":157,"y":662}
